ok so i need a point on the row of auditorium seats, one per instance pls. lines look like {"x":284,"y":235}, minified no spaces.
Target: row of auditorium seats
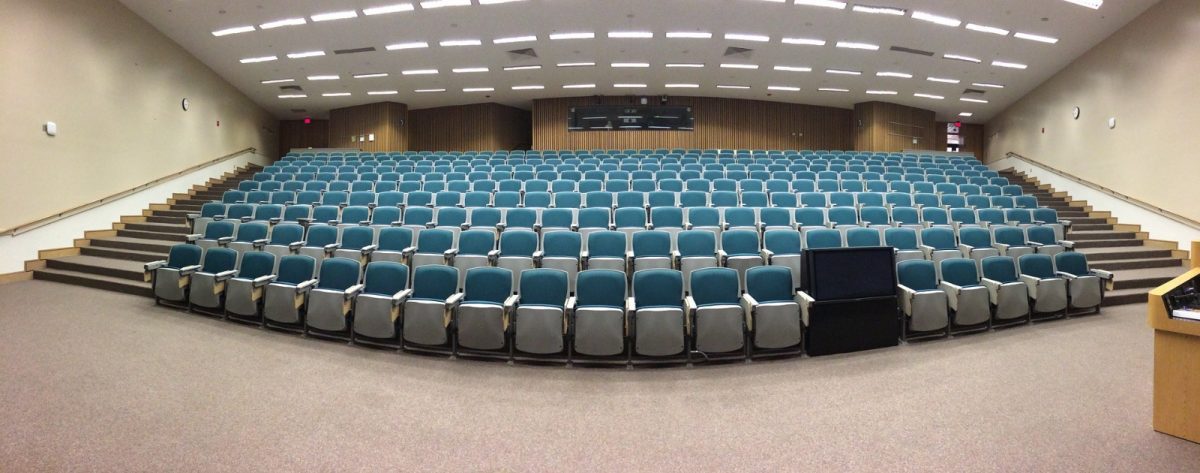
{"x":492,"y":311}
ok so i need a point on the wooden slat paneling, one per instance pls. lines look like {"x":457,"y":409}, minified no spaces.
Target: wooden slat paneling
{"x":882,"y":126}
{"x":295,"y":134}
{"x":484,"y":126}
{"x":387,"y":120}
{"x":720,"y":123}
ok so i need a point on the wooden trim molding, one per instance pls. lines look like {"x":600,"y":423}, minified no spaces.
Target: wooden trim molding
{"x":41,"y":222}
{"x":16,"y":277}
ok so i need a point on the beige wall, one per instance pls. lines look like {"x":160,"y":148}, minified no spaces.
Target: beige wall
{"x":113,"y":84}
{"x":1146,"y":76}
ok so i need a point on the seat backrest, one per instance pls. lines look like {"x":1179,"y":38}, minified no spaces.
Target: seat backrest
{"x":666,"y":217}
{"x":544,"y":287}
{"x":1072,"y":262}
{"x":960,"y":271}
{"x":782,"y":242}
{"x":357,"y":238}
{"x":975,"y":237}
{"x":321,"y":235}
{"x":650,"y":243}
{"x":1036,"y":265}
{"x":338,"y":274}
{"x":1041,"y":235}
{"x":917,"y":274}
{"x":822,"y":238}
{"x":594,"y":218}
{"x":451,"y":216}
{"x":558,"y":218}
{"x":1045,"y":215}
{"x":905,"y":215}
{"x":518,"y":243}
{"x":184,"y":255}
{"x":704,"y":217}
{"x":696,"y":243}
{"x":863,"y":237}
{"x":476,"y":242}
{"x":418,"y":216}
{"x":740,"y":242}
{"x":630,"y":217}
{"x":606,"y":243}
{"x":600,"y":288}
{"x":939,"y":238}
{"x":843,"y":215}
{"x":487,"y":285}
{"x":256,"y":264}
{"x":219,"y":229}
{"x":254,"y":231}
{"x":658,"y":288}
{"x":295,"y":269}
{"x":435,"y":282}
{"x":769,"y":284}
{"x":999,"y":268}
{"x":434,"y":240}
{"x":1014,"y":236}
{"x":561,"y":244}
{"x":393,"y":238}
{"x":385,"y":278}
{"x":711,"y":286}
{"x":740,"y":217}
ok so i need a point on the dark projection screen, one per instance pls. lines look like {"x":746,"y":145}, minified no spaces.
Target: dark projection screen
{"x":629,"y":118}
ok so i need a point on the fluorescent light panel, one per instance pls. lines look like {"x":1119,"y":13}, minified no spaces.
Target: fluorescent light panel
{"x":855,"y":45}
{"x":804,"y":41}
{"x":576,"y":64}
{"x":747,"y":37}
{"x":383,"y":92}
{"x":383,"y":10}
{"x":293,"y":96}
{"x":942,"y":80}
{"x":1010,"y":65}
{"x":285,"y":22}
{"x":428,"y":91}
{"x":688,"y":35}
{"x":822,"y":3}
{"x":460,"y":42}
{"x":630,"y":34}
{"x":881,"y":92}
{"x":629,"y":86}
{"x":528,"y":87}
{"x":987,"y":29}
{"x":988,"y":85}
{"x":522,"y":68}
{"x":739,"y":66}
{"x":515,"y":39}
{"x":965,"y":99}
{"x":929,"y":96}
{"x":251,"y":60}
{"x":937,"y":19}
{"x":336,"y":94}
{"x":277,"y":81}
{"x":843,"y":72}
{"x":579,"y":86}
{"x":902,"y":75}
{"x":234,"y":30}
{"x":479,"y":89}
{"x":580,"y":35}
{"x":497,"y":2}
{"x":959,"y":57}
{"x":324,"y":77}
{"x":337,"y":15}
{"x":630,"y":64}
{"x":682,"y":86}
{"x":793,"y":68}
{"x":880,"y":10}
{"x":832,"y":89}
{"x":738,"y":87}
{"x":371,"y":75}
{"x":966,"y":114}
{"x":685,"y":64}
{"x":1093,"y":4}
{"x":305,"y":54}
{"x":419,"y":72}
{"x":1036,"y":37}
{"x":465,"y":70}
{"x":409,"y":45}
{"x":783,"y":88}
{"x":431,"y":4}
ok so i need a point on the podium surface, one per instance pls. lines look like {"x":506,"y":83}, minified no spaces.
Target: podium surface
{"x":1176,"y":360}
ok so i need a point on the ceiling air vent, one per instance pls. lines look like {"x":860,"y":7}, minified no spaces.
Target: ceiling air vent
{"x":518,"y":54}
{"x":902,"y":49}
{"x":291,"y":87}
{"x":354,"y":51}
{"x":973,"y":91}
{"x":733,"y":51}
{"x":299,"y":110}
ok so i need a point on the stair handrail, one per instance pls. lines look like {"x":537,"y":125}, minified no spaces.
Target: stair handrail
{"x":1132,"y":200}
{"x":41,"y":222}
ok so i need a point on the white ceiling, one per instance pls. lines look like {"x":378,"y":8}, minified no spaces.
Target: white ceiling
{"x":191,"y":23}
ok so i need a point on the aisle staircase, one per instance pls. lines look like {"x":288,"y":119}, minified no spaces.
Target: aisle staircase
{"x":1139,"y":263}
{"x":113,"y":259}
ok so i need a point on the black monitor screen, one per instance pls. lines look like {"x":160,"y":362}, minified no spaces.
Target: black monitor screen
{"x":850,"y":273}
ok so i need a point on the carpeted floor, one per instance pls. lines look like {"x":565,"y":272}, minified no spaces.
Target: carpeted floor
{"x":97,"y":381}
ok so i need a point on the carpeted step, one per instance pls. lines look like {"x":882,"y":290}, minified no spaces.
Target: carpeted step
{"x":1069,"y":214}
{"x":122,"y":254}
{"x":1146,"y":278}
{"x":1098,"y":235}
{"x":138,"y":288}
{"x":111,"y":267}
{"x":192,"y":202}
{"x":1087,"y":227}
{"x":195,"y":209}
{"x":1107,"y":243}
{"x":1125,"y":296}
{"x":1124,"y":253}
{"x":171,"y":213}
{"x":176,"y":237}
{"x":159,"y":227}
{"x":1139,"y":263}
{"x":135,"y":244}
{"x":181,"y":220}
{"x":1086,"y":220}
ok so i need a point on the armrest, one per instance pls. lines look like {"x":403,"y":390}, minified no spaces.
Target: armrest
{"x":409,"y":251}
{"x":574,"y":227}
{"x":1102,"y":274}
{"x":583,"y":255}
{"x":1065,"y":223}
{"x":263,"y":280}
{"x":353,"y":291}
{"x":511,"y":302}
{"x":571,"y":303}
{"x":296,"y":245}
{"x":225,"y":275}
{"x":500,"y":227}
{"x":364,"y":223}
{"x":246,"y":219}
{"x":464,"y":226}
{"x":224,"y":241}
{"x":806,"y":301}
{"x":306,"y":285}
{"x":950,"y":288}
{"x":154,"y":265}
{"x":186,"y":270}
{"x":687,"y":226}
{"x":1033,"y":244}
{"x":748,"y":304}
{"x":649,"y":226}
{"x":330,"y":248}
{"x":965,"y":249}
{"x":450,"y":254}
{"x":1068,"y":244}
{"x":689,"y":304}
{"x":454,"y":300}
{"x":1030,"y":282}
{"x":193,"y":237}
{"x":906,"y":297}
{"x":928,"y":250}
{"x":993,"y":288}
{"x":306,"y":221}
{"x":1000,"y":246}
{"x":366,"y":250}
{"x":191,"y":217}
{"x":1067,"y":276}
{"x":259,"y":243}
{"x":766,"y":255}
{"x":399,"y":297}
{"x":722,"y":257}
{"x":430,"y":225}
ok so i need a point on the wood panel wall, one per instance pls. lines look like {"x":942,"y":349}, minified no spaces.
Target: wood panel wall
{"x":484,"y":126}
{"x":972,"y":136}
{"x":882,"y":126}
{"x":386,"y":120}
{"x":296,"y":134}
{"x":720,"y":123}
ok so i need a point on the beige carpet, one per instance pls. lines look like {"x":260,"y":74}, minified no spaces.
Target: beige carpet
{"x":97,"y":381}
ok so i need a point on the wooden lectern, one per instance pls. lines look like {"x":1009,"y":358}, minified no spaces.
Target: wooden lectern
{"x":1176,"y":364}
